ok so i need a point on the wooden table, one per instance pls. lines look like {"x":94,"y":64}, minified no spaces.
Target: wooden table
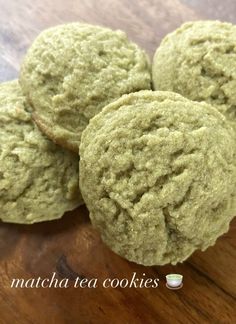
{"x":70,"y":247}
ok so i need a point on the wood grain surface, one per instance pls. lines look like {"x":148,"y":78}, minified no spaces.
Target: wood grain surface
{"x":70,"y":247}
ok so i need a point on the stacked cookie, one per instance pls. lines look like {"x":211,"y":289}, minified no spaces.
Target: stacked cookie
{"x":72,"y":71}
{"x":38,"y":179}
{"x":158,"y":175}
{"x":157,"y":170}
{"x":198,"y":60}
{"x":68,"y":75}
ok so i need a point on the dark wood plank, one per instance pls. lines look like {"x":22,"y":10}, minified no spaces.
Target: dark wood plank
{"x":214,"y":9}
{"x":70,"y":246}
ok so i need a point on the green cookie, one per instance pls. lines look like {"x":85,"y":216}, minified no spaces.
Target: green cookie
{"x":72,"y":71}
{"x":158,"y":175}
{"x":38,"y":179}
{"x":198,"y":60}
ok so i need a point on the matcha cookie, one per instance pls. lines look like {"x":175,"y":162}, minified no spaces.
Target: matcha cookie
{"x":38,"y":179}
{"x":158,"y":175}
{"x":198,"y":60}
{"x":72,"y":71}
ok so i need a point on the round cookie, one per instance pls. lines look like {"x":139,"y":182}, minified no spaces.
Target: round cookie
{"x":158,"y":175}
{"x":72,"y":71}
{"x":38,"y":179}
{"x":198,"y":60}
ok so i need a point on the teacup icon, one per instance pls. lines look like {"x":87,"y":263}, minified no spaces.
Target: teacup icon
{"x":174,"y":281}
